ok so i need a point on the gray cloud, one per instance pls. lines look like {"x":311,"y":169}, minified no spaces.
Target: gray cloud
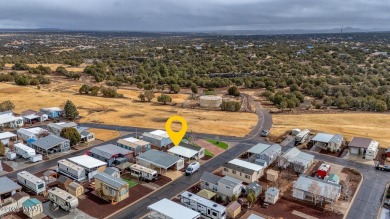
{"x":187,"y":15}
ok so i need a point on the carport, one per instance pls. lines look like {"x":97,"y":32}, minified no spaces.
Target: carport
{"x":160,"y":160}
{"x":183,"y":152}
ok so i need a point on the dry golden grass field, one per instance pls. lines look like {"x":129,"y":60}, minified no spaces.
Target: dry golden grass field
{"x":104,"y":134}
{"x":53,"y":67}
{"x":129,"y":111}
{"x":372,"y":125}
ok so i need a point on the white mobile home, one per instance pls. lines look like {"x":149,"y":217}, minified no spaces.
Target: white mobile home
{"x":91,"y":165}
{"x":326,"y":141}
{"x":143,"y":172}
{"x":207,"y":208}
{"x":31,"y":181}
{"x":31,"y":133}
{"x":72,"y":170}
{"x":6,"y":137}
{"x":24,"y":150}
{"x":63,"y":199}
{"x":167,"y":209}
{"x":134,"y":144}
{"x":8,"y":120}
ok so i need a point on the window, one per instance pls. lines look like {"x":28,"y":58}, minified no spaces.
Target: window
{"x":225,"y":169}
{"x":40,"y":186}
{"x":227,"y":187}
{"x":247,"y":176}
{"x":234,"y":172}
{"x":215,"y":214}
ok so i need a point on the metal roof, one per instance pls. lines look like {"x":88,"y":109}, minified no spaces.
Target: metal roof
{"x":52,"y":109}
{"x":109,"y":150}
{"x":275,"y":148}
{"x":243,"y":166}
{"x":326,"y":138}
{"x":31,"y":131}
{"x":173,"y":210}
{"x":254,"y":186}
{"x":114,"y":182}
{"x":210,"y":178}
{"x":359,"y":142}
{"x":5,"y":135}
{"x":182,"y":151}
{"x":74,"y":185}
{"x":230,"y":181}
{"x":49,"y":142}
{"x":207,"y":194}
{"x":272,"y":191}
{"x":132,"y":142}
{"x":7,"y":185}
{"x":160,"y":133}
{"x":326,"y":188}
{"x":31,"y":203}
{"x":159,"y":158}
{"x":111,"y":170}
{"x":203,"y":201}
{"x":87,"y":161}
{"x":234,"y":205}
{"x":294,"y":155}
{"x":259,"y":148}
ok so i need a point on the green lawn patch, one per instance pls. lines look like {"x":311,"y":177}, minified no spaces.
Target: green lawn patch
{"x":208,"y":153}
{"x":130,"y":182}
{"x":220,"y":144}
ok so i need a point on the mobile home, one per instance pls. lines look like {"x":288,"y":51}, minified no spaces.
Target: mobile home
{"x":24,"y":150}
{"x":143,"y":172}
{"x":31,"y":181}
{"x":72,"y":170}
{"x":63,"y":199}
{"x":207,"y":208}
{"x":302,"y":136}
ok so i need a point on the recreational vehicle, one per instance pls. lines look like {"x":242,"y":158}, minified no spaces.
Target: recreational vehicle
{"x":207,"y":208}
{"x":63,"y":199}
{"x":72,"y":170}
{"x":302,"y":136}
{"x":143,"y":172}
{"x":24,"y":150}
{"x":31,"y":181}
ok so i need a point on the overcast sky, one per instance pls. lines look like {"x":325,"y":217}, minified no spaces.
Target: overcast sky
{"x":194,"y":15}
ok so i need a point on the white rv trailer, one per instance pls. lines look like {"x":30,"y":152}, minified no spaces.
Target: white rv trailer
{"x":143,"y":172}
{"x":63,"y":199}
{"x":207,"y":208}
{"x":31,"y":181}
{"x":302,"y":136}
{"x":72,"y":170}
{"x":24,"y":150}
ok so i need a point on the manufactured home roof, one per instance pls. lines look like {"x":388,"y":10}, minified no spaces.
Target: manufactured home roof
{"x":159,"y":158}
{"x":34,"y":131}
{"x":296,"y":156}
{"x":87,"y":161}
{"x":275,"y":148}
{"x":111,"y":170}
{"x":210,"y":178}
{"x":160,"y":133}
{"x":109,"y":150}
{"x":207,"y":194}
{"x":304,"y":182}
{"x":52,"y":109}
{"x":69,"y":164}
{"x":74,"y":186}
{"x":62,"y":179}
{"x":5,"y":135}
{"x":7,"y":185}
{"x":243,"y":166}
{"x":24,"y":147}
{"x":183,"y":151}
{"x":203,"y":201}
{"x":230,"y":181}
{"x":326,"y":138}
{"x":254,"y":186}
{"x":28,"y":112}
{"x":360,"y":142}
{"x":259,"y":148}
{"x":132,"y":142}
{"x":49,"y":142}
{"x":114,"y":182}
{"x":173,"y":210}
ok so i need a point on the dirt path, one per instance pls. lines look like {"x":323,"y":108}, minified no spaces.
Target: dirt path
{"x":210,"y":147}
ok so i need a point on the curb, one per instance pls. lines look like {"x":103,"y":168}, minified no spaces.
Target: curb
{"x":113,"y":214}
{"x":354,"y":196}
{"x":383,"y":200}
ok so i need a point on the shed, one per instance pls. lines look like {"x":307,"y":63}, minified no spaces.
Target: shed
{"x":75,"y":189}
{"x":123,"y":166}
{"x":272,"y":195}
{"x":63,"y":182}
{"x":207,"y":194}
{"x":255,"y":188}
{"x":32,"y":207}
{"x":333,"y":178}
{"x":233,"y":209}
{"x":272,"y":175}
{"x":20,"y":197}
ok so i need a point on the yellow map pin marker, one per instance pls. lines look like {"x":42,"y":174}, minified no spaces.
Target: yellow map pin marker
{"x":176,"y":137}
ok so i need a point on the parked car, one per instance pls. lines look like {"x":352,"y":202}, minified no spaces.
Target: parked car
{"x":264,"y":133}
{"x":192,"y":168}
